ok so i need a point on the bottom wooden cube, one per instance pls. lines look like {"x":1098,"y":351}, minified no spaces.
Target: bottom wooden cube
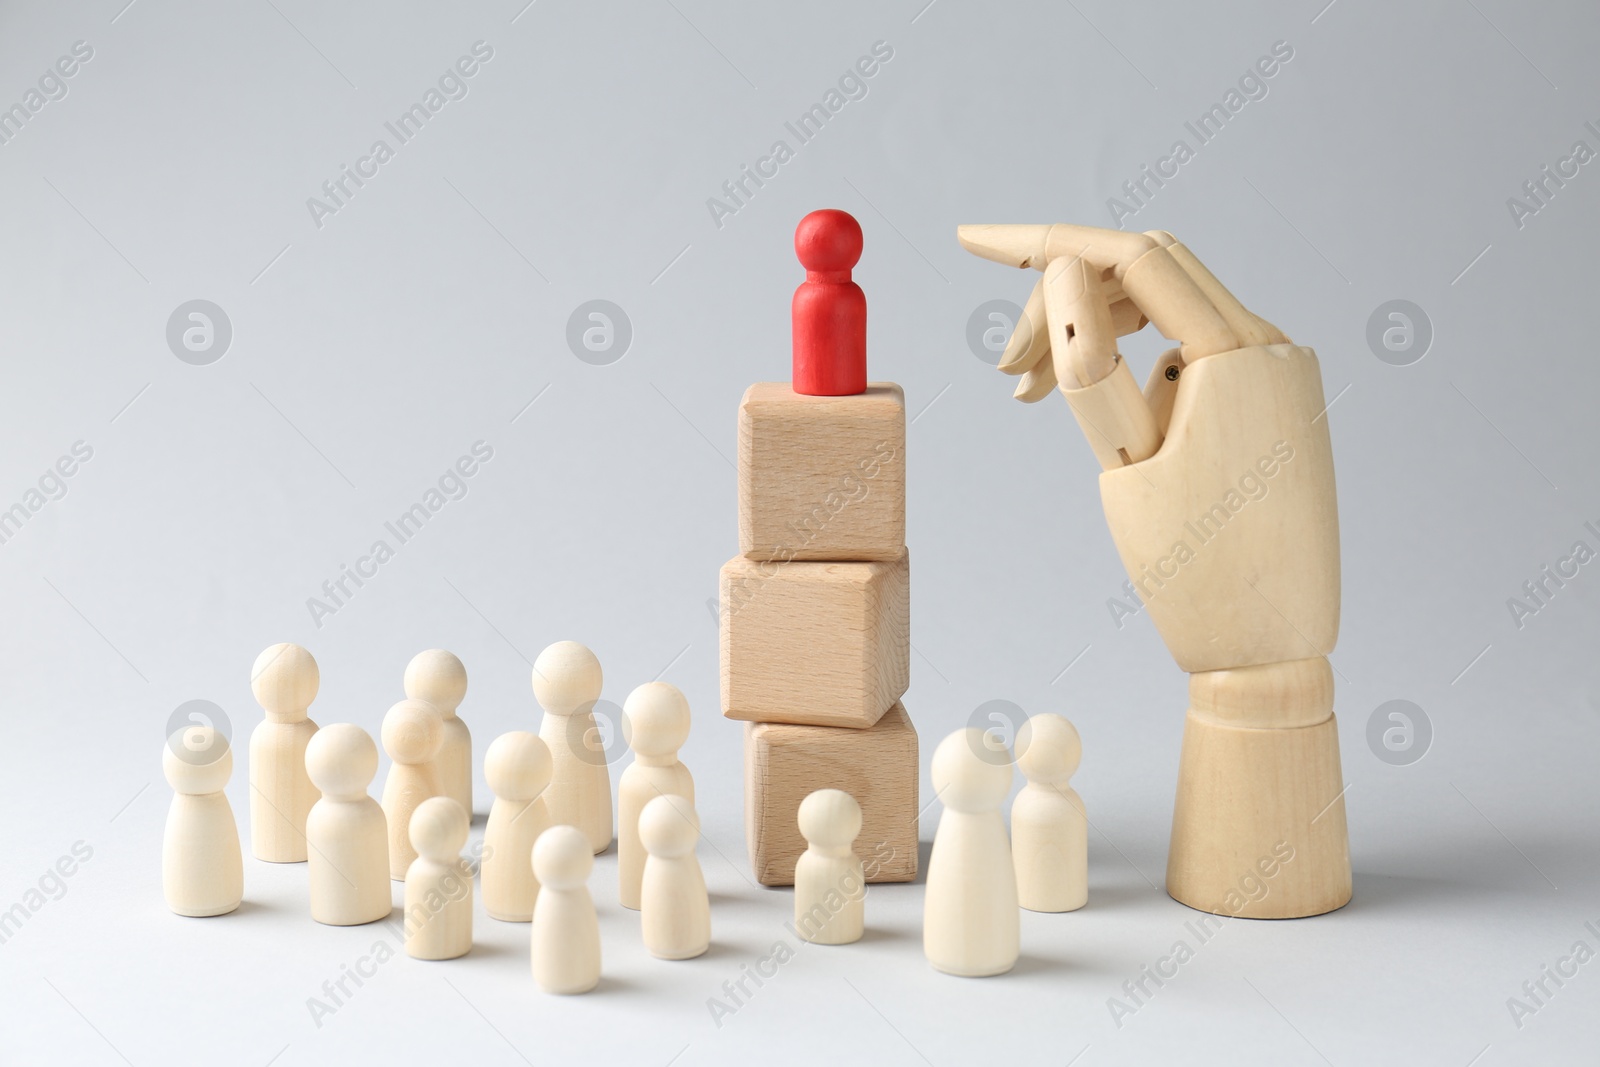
{"x":878,"y":766}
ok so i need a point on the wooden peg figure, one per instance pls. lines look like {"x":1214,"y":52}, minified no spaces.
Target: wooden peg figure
{"x":970,"y":922}
{"x":656,"y":724}
{"x":566,"y":933}
{"x":830,"y":888}
{"x":674,"y":909}
{"x":347,"y":835}
{"x":567,"y":681}
{"x":517,"y":766}
{"x":829,"y":309}
{"x":412,"y":733}
{"x":438,"y":897}
{"x":439,"y":678}
{"x":202,"y":868}
{"x":1049,"y":829}
{"x":284,"y":681}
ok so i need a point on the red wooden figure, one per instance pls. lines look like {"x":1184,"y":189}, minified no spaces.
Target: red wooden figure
{"x":829,"y":310}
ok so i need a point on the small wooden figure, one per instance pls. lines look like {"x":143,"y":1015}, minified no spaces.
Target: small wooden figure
{"x":346,"y":834}
{"x":830,"y":888}
{"x":970,"y":923}
{"x":517,"y":766}
{"x":284,"y":681}
{"x":1049,"y":830}
{"x":567,"y":681}
{"x":202,"y":868}
{"x":438,"y":884}
{"x":656,"y":724}
{"x":674,"y":909}
{"x":412,"y":732}
{"x":566,"y":932}
{"x":439,"y":678}
{"x":829,"y":310}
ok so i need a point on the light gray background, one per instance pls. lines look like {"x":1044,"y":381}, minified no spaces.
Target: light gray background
{"x":370,"y":353}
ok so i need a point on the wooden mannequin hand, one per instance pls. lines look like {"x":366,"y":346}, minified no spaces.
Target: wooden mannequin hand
{"x":1217,"y":484}
{"x":1235,"y":442}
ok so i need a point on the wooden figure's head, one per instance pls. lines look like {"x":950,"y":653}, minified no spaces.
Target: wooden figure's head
{"x":656,"y":719}
{"x":669,"y":826}
{"x":284,"y":681}
{"x":439,"y":829}
{"x":197,"y":760}
{"x":829,"y":819}
{"x":562,"y":858}
{"x":970,"y":773}
{"x":438,"y":677}
{"x":341,"y":760}
{"x":413,"y":732}
{"x":566,"y":678}
{"x":1048,"y":749}
{"x":517,"y":766}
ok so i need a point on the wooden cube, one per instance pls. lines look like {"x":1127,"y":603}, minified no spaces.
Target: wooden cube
{"x":784,"y":764}
{"x":822,"y":477}
{"x":815,"y":644}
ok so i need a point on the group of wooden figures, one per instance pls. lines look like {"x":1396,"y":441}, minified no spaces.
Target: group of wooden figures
{"x":978,"y":875}
{"x":552,"y":814}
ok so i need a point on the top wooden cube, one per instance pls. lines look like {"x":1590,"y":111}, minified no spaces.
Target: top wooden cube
{"x":822,"y":477}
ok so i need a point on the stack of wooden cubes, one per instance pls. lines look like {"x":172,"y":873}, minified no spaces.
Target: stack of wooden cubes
{"x":816,"y":622}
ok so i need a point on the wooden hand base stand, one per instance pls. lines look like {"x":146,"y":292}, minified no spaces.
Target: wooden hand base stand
{"x":1230,"y":531}
{"x":1258,"y":828}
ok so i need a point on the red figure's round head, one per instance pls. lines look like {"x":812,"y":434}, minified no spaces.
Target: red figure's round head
{"x":828,"y":240}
